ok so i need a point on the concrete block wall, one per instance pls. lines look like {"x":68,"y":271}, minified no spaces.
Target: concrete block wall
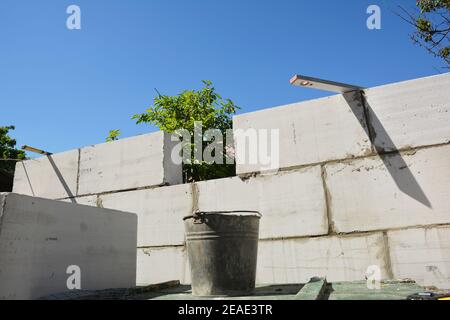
{"x":160,"y":212}
{"x":160,"y":264}
{"x":366,"y":196}
{"x":338,"y":258}
{"x":364,"y":180}
{"x":292,"y":203}
{"x":422,"y":254}
{"x":289,"y":208}
{"x":132,"y":163}
{"x":410,"y":114}
{"x":41,"y":238}
{"x":310,"y":132}
{"x":386,"y":175}
{"x":128,"y":164}
{"x":52,"y":177}
{"x":392,"y":117}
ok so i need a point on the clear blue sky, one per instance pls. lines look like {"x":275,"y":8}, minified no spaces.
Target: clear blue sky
{"x":67,"y":88}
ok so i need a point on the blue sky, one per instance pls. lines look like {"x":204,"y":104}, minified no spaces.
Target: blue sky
{"x":63,"y":89}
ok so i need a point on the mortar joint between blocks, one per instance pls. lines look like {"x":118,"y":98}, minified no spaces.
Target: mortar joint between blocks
{"x":387,"y":252}
{"x":327,"y":195}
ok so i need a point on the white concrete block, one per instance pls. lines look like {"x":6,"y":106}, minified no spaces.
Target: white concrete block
{"x":336,"y":258}
{"x":40,"y":239}
{"x":86,"y":201}
{"x":140,"y":161}
{"x":53,"y":177}
{"x":156,"y":265}
{"x":422,"y":254}
{"x":309,"y":132}
{"x":411,"y":113}
{"x":411,"y":190}
{"x":160,"y":212}
{"x":292,"y":203}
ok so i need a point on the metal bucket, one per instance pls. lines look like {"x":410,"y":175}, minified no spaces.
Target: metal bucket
{"x":222,"y":249}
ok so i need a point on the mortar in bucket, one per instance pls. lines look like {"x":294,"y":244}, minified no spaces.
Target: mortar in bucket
{"x":222,"y":249}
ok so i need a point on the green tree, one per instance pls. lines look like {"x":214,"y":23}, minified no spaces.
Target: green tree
{"x":431,"y":21}
{"x":170,"y":113}
{"x":113,"y":135}
{"x":8,"y":152}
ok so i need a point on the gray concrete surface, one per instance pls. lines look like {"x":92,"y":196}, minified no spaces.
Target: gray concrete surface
{"x":160,"y":212}
{"x":292,"y":203}
{"x":41,"y":238}
{"x":364,"y":195}
{"x":52,"y":177}
{"x":422,"y":254}
{"x":310,"y":132}
{"x":84,"y":200}
{"x":131,"y":163}
{"x":411,"y":113}
{"x":336,"y":258}
{"x":159,"y":264}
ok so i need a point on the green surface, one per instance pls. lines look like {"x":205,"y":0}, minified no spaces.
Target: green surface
{"x":313,"y":290}
{"x":316,"y":289}
{"x":358,"y":291}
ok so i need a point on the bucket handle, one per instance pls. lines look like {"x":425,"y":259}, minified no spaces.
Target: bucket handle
{"x":199,"y":216}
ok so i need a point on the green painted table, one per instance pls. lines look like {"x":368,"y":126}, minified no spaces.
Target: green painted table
{"x":316,"y":289}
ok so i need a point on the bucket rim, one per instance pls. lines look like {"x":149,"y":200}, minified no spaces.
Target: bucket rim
{"x":250,"y":213}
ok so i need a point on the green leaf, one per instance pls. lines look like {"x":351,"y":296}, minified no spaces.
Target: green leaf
{"x":113,"y":135}
{"x":181,"y":111}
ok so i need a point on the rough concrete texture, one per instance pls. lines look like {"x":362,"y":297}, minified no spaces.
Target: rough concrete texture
{"x":411,"y":113}
{"x":309,"y":132}
{"x":156,"y":265}
{"x":160,"y":212}
{"x":292,"y":203}
{"x":334,"y":258}
{"x":40,"y":238}
{"x":396,"y":191}
{"x":136,"y":162}
{"x":52,"y":177}
{"x":422,"y":254}
{"x":86,"y":201}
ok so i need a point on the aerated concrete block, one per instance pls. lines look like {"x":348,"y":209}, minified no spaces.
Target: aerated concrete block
{"x":136,"y":162}
{"x":156,"y":265}
{"x":411,"y":113}
{"x":52,"y":177}
{"x":86,"y":201}
{"x":310,"y":132}
{"x":422,"y":255}
{"x":334,"y":258}
{"x":41,"y":238}
{"x":160,"y":212}
{"x":396,"y":191}
{"x":292,"y":203}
